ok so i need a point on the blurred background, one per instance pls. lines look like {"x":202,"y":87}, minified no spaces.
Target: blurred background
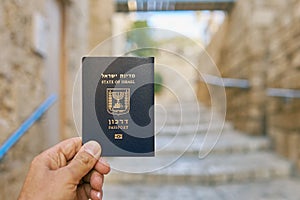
{"x":255,"y":45}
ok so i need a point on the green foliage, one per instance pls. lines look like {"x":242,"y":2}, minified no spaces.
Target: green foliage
{"x":143,"y":42}
{"x":141,"y":39}
{"x":158,"y":81}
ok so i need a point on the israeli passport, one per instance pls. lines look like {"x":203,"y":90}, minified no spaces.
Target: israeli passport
{"x":118,"y":105}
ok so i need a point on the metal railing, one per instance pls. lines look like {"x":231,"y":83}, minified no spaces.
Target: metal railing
{"x":285,"y":93}
{"x":226,"y":82}
{"x":245,"y":84}
{"x":5,"y":147}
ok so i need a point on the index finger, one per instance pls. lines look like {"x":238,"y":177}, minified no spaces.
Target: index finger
{"x":68,"y":147}
{"x":102,"y":166}
{"x":61,"y":153}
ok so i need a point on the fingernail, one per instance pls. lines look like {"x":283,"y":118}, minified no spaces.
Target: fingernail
{"x":93,"y":148}
{"x":99,"y":195}
{"x":104,"y":162}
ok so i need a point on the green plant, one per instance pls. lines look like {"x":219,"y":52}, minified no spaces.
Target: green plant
{"x":141,"y":39}
{"x":158,"y":81}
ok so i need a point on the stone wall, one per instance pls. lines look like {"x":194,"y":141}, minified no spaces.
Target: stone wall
{"x":21,"y":90}
{"x":284,"y":72}
{"x":242,"y":53}
{"x":100,"y":22}
{"x":259,"y":42}
{"x":22,"y":81}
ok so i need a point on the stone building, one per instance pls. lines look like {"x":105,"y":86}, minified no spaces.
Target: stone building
{"x":259,"y":43}
{"x":42,"y":44}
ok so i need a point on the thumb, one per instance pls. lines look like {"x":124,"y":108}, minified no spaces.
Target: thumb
{"x":83,"y":161}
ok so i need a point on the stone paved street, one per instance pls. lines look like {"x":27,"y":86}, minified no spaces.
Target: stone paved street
{"x":238,"y":167}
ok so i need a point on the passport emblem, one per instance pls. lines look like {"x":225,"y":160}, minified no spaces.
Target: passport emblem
{"x":118,"y":136}
{"x":118,"y":101}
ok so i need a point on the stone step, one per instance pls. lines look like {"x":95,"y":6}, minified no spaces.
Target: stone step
{"x":278,"y":189}
{"x":182,"y":107}
{"x":192,"y":129}
{"x":183,"y":110}
{"x":187,"y":120}
{"x":179,"y":118}
{"x":185,"y":116}
{"x":214,"y":169}
{"x":201,"y":144}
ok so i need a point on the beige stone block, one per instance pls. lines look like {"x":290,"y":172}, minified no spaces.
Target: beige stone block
{"x":289,"y":120}
{"x":1,"y":18}
{"x":253,"y":127}
{"x":281,"y":143}
{"x":4,"y":127}
{"x":272,"y":133}
{"x":268,"y":4}
{"x":296,"y":9}
{"x":273,"y":106}
{"x":263,"y":17}
{"x":100,"y":21}
{"x":257,"y":47}
{"x":296,"y":60}
{"x":255,"y":112}
{"x":291,"y":81}
{"x":293,"y":146}
{"x":275,"y":73}
{"x":258,"y":97}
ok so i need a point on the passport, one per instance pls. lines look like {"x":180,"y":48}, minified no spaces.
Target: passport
{"x":118,"y":105}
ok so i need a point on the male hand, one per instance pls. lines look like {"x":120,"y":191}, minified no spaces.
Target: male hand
{"x":67,"y":171}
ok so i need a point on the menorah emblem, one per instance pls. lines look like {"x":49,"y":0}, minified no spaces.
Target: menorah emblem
{"x":118,"y":100}
{"x":118,"y":96}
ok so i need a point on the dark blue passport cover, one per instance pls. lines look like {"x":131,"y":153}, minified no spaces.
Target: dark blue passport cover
{"x":118,"y":104}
